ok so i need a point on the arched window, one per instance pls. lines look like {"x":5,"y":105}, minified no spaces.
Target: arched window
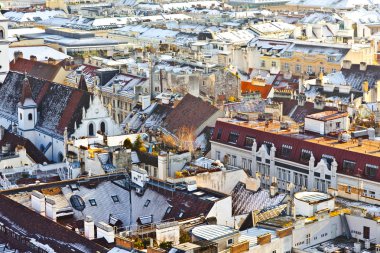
{"x":103,"y":127}
{"x":91,"y":129}
{"x":20,"y":116}
{"x":30,"y":116}
{"x":1,"y":34}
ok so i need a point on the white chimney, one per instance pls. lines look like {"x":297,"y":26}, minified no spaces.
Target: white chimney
{"x":363,"y":66}
{"x":51,"y":209}
{"x":105,"y":231}
{"x":38,"y":202}
{"x":89,"y":228}
{"x":192,"y":186}
{"x":357,"y":247}
{"x":367,"y":244}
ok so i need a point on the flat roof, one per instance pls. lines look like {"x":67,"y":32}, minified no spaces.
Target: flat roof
{"x":368,"y":147}
{"x":312,"y":197}
{"x":327,"y":115}
{"x":213,"y":232}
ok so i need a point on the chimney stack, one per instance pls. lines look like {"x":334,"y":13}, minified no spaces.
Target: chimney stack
{"x":363,"y":66}
{"x":33,"y":58}
{"x":51,"y":210}
{"x":103,"y":230}
{"x":89,"y":228}
{"x":38,"y":202}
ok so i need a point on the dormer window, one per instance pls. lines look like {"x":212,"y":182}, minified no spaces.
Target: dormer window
{"x":233,"y":137}
{"x":92,"y":202}
{"x":286,"y":150}
{"x":147,"y":203}
{"x":371,"y":170}
{"x":305,"y":155}
{"x":115,"y":198}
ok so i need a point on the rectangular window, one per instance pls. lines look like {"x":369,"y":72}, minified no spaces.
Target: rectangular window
{"x":249,"y":141}
{"x":309,"y":69}
{"x":286,"y":150}
{"x":274,"y":64}
{"x":115,"y":198}
{"x":305,"y":155}
{"x":244,"y":163}
{"x":349,"y":166}
{"x":217,"y":155}
{"x":219,"y":135}
{"x":233,"y":160}
{"x":366,"y":232}
{"x":371,"y":170}
{"x":298,"y":68}
{"x":230,"y":241}
{"x":147,"y":203}
{"x":233,"y":137}
{"x":92,"y":202}
{"x":263,"y":64}
{"x":322,"y":69}
{"x":286,"y":66}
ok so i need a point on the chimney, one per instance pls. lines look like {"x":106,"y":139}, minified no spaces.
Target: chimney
{"x":38,"y":202}
{"x":18,"y":54}
{"x":89,"y":228}
{"x":103,"y":230}
{"x":2,"y":132}
{"x":264,"y":239}
{"x":51,"y":209}
{"x":363,"y":66}
{"x":52,"y":61}
{"x":347,"y":64}
{"x":33,"y":58}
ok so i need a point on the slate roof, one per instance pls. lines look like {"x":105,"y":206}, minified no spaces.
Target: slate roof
{"x":355,"y":77}
{"x":33,"y":152}
{"x":37,"y":69}
{"x":59,"y":106}
{"x":35,"y":227}
{"x":191,"y":112}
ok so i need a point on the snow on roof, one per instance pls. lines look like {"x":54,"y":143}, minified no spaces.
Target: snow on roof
{"x":43,"y":53}
{"x":251,"y":235}
{"x":213,"y":232}
{"x":239,"y":36}
{"x":32,"y":16}
{"x":273,"y":27}
{"x":184,"y":5}
{"x":363,"y":16}
{"x":13,"y":33}
{"x":343,"y":4}
{"x":317,"y":17}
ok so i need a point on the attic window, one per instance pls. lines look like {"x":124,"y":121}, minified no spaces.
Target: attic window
{"x":147,"y":203}
{"x":169,"y":209}
{"x":181,"y":214}
{"x":305,"y":155}
{"x":329,"y":159}
{"x":115,"y":198}
{"x":349,"y":166}
{"x":92,"y":202}
{"x":233,"y":137}
{"x":248,"y":143}
{"x":371,"y":170}
{"x":286,"y":150}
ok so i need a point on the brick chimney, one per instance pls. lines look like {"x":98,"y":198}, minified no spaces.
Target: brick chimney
{"x":33,"y":58}
{"x":52,"y":61}
{"x":264,"y":239}
{"x":18,"y":54}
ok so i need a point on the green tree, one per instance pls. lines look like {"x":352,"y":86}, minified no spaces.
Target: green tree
{"x":166,"y":245}
{"x":138,"y":143}
{"x":128,"y":144}
{"x":184,"y":237}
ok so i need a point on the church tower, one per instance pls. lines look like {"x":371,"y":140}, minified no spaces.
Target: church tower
{"x":27,"y":108}
{"x":4,"y":48}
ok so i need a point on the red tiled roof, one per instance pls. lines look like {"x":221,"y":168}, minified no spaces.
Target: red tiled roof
{"x":30,"y":224}
{"x":298,"y":144}
{"x":35,"y":68}
{"x":247,"y":86}
{"x":191,"y":112}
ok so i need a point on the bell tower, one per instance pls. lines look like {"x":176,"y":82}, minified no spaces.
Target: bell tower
{"x":4,"y":48}
{"x":27,"y":108}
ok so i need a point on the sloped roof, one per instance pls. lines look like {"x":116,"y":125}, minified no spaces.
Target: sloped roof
{"x":33,"y":152}
{"x":355,"y":77}
{"x":59,"y":106}
{"x":35,"y":68}
{"x":247,"y":86}
{"x":191,"y":112}
{"x":40,"y":229}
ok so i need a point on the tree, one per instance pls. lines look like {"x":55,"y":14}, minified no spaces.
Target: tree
{"x":166,"y":245}
{"x":186,"y":137}
{"x":138,"y":143}
{"x":128,"y":144}
{"x":184,"y":237}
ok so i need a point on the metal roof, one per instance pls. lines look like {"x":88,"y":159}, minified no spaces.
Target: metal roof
{"x":213,"y":232}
